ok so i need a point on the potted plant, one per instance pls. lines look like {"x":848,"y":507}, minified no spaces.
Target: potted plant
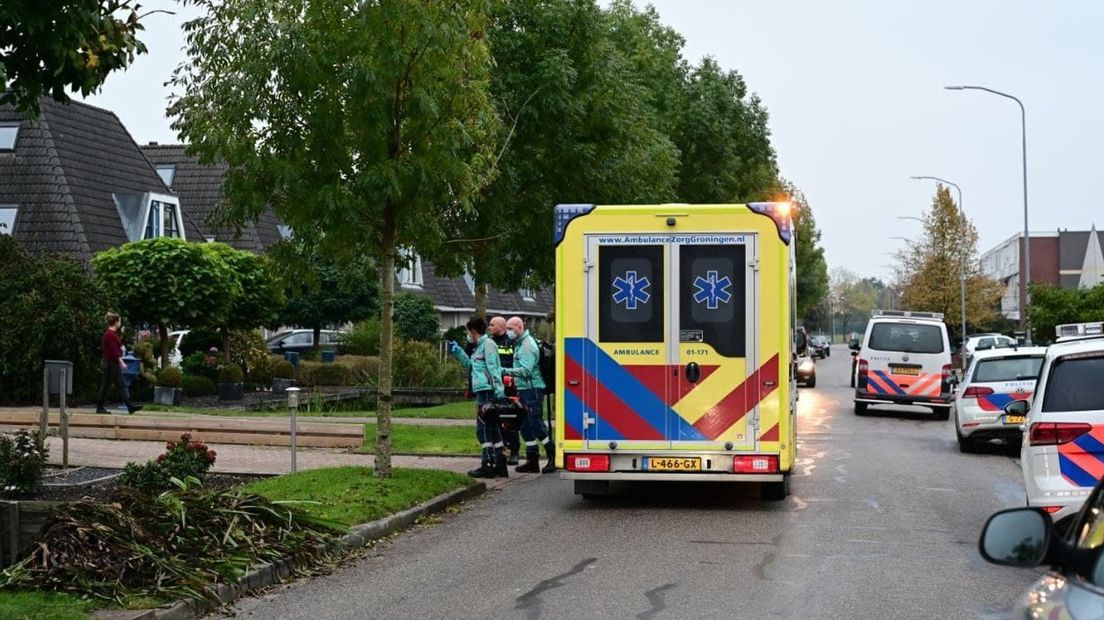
{"x":283,"y":376}
{"x":168,"y":391}
{"x":230,"y":386}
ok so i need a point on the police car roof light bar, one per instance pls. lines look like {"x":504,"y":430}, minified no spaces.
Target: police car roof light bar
{"x":1094,"y":328}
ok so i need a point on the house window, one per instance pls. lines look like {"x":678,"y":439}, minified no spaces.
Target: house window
{"x":411,"y":273}
{"x":167,"y":172}
{"x":284,"y":230}
{"x":8,"y":135}
{"x":162,"y":221}
{"x":7,"y":219}
{"x":469,"y":280}
{"x":527,"y":294}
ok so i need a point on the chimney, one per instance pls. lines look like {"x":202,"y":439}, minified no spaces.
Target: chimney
{"x":152,"y":143}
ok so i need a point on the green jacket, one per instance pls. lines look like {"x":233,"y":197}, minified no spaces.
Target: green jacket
{"x":486,"y":370}
{"x":526,"y":368}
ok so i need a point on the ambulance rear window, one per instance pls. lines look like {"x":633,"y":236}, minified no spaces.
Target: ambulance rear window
{"x":906,"y":337}
{"x":631,"y":293}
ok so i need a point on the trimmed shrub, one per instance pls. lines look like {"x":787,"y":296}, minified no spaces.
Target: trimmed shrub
{"x":282,"y":369}
{"x":316,"y":373}
{"x":419,"y":364}
{"x":362,"y":339}
{"x":416,"y":318}
{"x":361,"y":369}
{"x":170,"y":377}
{"x":199,"y":385}
{"x":23,"y":457}
{"x":230,"y":373}
{"x":456,"y":334}
{"x":248,"y":350}
{"x":200,"y":364}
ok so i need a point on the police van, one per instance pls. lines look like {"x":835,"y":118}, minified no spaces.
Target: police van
{"x":904,"y":359}
{"x":675,"y":327}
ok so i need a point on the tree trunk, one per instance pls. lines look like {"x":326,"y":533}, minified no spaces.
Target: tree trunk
{"x":163,"y":332}
{"x":481,"y":300}
{"x":387,"y":340}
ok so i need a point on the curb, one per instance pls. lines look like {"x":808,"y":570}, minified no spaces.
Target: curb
{"x":268,"y":574}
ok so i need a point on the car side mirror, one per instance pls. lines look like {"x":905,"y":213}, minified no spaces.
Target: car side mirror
{"x":854,"y":344}
{"x":802,"y":347}
{"x":953,"y":380}
{"x":1017,"y":407}
{"x":1018,"y":537}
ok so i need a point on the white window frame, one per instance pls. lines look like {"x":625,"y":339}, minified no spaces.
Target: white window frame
{"x":410,"y":274}
{"x":528,"y":294}
{"x":164,"y":199}
{"x":170,"y":169}
{"x":9,"y":229}
{"x":15,"y":140}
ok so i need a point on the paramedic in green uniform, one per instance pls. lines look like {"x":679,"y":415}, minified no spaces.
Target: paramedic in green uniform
{"x":486,"y":378}
{"x":527,"y":376}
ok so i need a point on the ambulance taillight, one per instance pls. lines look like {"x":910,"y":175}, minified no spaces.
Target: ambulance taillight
{"x":587,"y":462}
{"x":755,"y":464}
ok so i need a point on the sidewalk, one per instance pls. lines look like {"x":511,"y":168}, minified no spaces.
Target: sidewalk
{"x":253,"y":459}
{"x":302,"y":418}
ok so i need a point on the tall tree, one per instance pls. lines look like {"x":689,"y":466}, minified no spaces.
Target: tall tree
{"x":1052,"y":306}
{"x":851,"y":299}
{"x":928,"y":271}
{"x":578,"y":127}
{"x":364,"y":124}
{"x":48,"y":46}
{"x":261,"y":294}
{"x":812,"y":269}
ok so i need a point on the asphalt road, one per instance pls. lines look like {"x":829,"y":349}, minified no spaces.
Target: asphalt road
{"x":883,"y":523}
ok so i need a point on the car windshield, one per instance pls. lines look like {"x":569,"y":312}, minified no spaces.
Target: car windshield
{"x":907,"y":337}
{"x":1007,"y":369}
{"x":1074,"y":385}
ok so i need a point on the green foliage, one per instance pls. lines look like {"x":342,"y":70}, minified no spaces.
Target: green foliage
{"x":262,"y":294}
{"x":170,"y":377}
{"x":283,"y":369}
{"x":322,"y":293}
{"x":419,"y":364}
{"x":50,"y":308}
{"x":200,"y":364}
{"x":352,"y":495}
{"x":362,"y":338}
{"x":168,"y":282}
{"x":416,"y":318}
{"x":165,"y":546}
{"x":247,"y":349}
{"x":182,"y":459}
{"x":49,"y":47}
{"x":200,"y":340}
{"x":1052,"y":306}
{"x":929,"y":271}
{"x":812,"y":269}
{"x":23,"y":456}
{"x":456,"y":334}
{"x":33,"y":605}
{"x":230,"y":373}
{"x":199,"y":385}
{"x":362,"y":369}
{"x":313,"y":374}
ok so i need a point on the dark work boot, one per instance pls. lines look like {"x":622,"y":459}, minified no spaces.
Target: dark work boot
{"x":532,"y":464}
{"x":500,"y":468}
{"x":132,"y":408}
{"x":551,"y":466}
{"x":486,"y":466}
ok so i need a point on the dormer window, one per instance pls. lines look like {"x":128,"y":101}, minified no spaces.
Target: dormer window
{"x":7,"y":219}
{"x":162,"y":220}
{"x":9,"y":133}
{"x":527,"y":294}
{"x":167,"y":172}
{"x":410,"y":275}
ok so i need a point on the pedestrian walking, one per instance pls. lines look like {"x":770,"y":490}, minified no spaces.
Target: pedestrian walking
{"x":527,"y":375}
{"x":486,"y":379}
{"x":497,"y":331}
{"x":112,"y":366}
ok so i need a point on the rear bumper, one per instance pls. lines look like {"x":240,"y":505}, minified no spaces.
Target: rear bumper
{"x":674,"y":476}
{"x":895,"y":399}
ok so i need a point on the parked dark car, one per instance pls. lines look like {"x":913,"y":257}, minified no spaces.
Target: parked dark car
{"x":821,"y":347}
{"x":302,"y":341}
{"x":1073,"y":586}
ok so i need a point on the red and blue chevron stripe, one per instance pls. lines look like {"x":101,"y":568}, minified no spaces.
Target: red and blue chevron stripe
{"x":1081,"y":461}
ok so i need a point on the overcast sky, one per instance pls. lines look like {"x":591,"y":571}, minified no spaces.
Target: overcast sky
{"x":855,"y":95}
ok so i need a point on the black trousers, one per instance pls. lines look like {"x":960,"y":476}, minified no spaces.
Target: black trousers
{"x":111,"y":373}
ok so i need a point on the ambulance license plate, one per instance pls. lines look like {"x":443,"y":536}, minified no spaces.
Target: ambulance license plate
{"x":667,"y":463}
{"x":911,"y":371}
{"x":1013,"y":419}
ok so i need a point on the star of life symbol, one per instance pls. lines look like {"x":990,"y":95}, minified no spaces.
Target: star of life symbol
{"x":712,"y":291}
{"x":630,"y":290}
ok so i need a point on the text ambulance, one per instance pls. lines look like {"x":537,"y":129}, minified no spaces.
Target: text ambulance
{"x":675,"y":334}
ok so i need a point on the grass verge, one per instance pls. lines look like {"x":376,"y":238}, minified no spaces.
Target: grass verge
{"x":43,"y":606}
{"x":414,"y":439}
{"x":353,"y":495}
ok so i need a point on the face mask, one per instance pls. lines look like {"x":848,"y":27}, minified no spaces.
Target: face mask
{"x":471,"y":339}
{"x":511,"y":334}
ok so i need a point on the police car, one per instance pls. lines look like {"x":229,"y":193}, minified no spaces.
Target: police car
{"x":994,"y":378}
{"x":1063,"y":448}
{"x":904,"y":359}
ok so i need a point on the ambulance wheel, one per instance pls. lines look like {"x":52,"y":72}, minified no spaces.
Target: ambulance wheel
{"x":860,"y":408}
{"x":775,"y":491}
{"x":592,"y":489}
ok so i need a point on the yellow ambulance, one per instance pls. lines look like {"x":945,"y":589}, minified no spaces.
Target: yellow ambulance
{"x":676,"y":340}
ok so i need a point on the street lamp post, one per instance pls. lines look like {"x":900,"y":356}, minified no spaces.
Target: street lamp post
{"x":962,"y":229}
{"x":1025,"y":268}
